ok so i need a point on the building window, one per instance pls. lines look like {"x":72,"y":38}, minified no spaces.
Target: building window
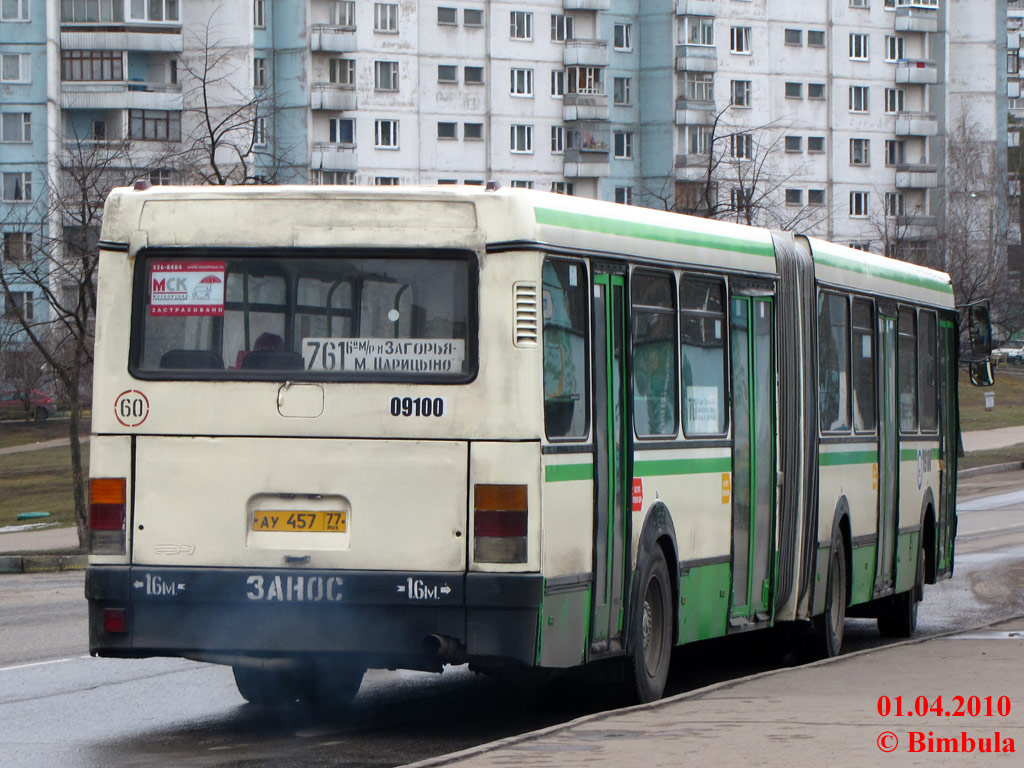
{"x":622,"y":91}
{"x":473,"y":131}
{"x":335,"y":177}
{"x":154,"y":125}
{"x":521,"y":82}
{"x":558,"y":83}
{"x":385,"y":75}
{"x":557,"y":139}
{"x":794,"y":197}
{"x":259,"y":72}
{"x":97,"y":10}
{"x":859,"y":205}
{"x":17,"y":186}
{"x":815,"y":143}
{"x":739,"y":200}
{"x":343,"y":14}
{"x":794,"y":90}
{"x":472,"y":17}
{"x":563,"y":187}
{"x":860,"y":152}
{"x":624,"y":195}
{"x":585,"y":80}
{"x":15,"y":10}
{"x":858,"y":46}
{"x":698,"y":30}
{"x":385,"y":17}
{"x":521,"y":139}
{"x":895,"y":48}
{"x":860,"y":3}
{"x":447,"y":73}
{"x":343,"y":72}
{"x":794,"y":37}
{"x":385,"y":134}
{"x":699,"y":86}
{"x":816,"y":38}
{"x":561,"y":27}
{"x":22,"y":305}
{"x":622,"y":37}
{"x":699,"y":138}
{"x":448,"y":16}
{"x":16,"y":127}
{"x":895,"y":151}
{"x":385,"y":181}
{"x":91,"y":66}
{"x":473,"y":75}
{"x":259,"y":132}
{"x":447,"y":130}
{"x":14,"y":68}
{"x":815,"y":197}
{"x":794,"y":143}
{"x":341,"y":130}
{"x":895,"y":204}
{"x":99,"y":130}
{"x":816,"y":91}
{"x":521,"y":25}
{"x":17,"y":246}
{"x":1013,"y":61}
{"x":161,"y":10}
{"x":895,"y":100}
{"x":858,"y":98}
{"x":521,"y":184}
{"x":163,"y":177}
{"x":741,"y":146}
{"x":739,"y":40}
{"x":740,"y":93}
{"x":622,"y":142}
{"x":259,"y":13}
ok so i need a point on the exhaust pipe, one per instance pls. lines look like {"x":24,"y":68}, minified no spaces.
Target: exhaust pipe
{"x":448,"y":650}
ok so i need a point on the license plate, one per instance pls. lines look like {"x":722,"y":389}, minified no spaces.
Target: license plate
{"x":290,"y":520}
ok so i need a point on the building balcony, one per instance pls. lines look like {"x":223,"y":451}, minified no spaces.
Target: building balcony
{"x":332,"y":39}
{"x":915,"y":226}
{"x":916,"y":124}
{"x":691,"y":167}
{"x":1013,"y":89}
{"x":916,"y":176}
{"x":333,"y":157}
{"x":1013,"y":138}
{"x":696,"y":8}
{"x":913,"y":71}
{"x":917,"y":19}
{"x":694,"y":112}
{"x":586,"y":168}
{"x":166,"y":39}
{"x":696,"y":58}
{"x":586,"y":5}
{"x":121,"y":95}
{"x":576,"y":106}
{"x":585,"y":53}
{"x":333,"y":97}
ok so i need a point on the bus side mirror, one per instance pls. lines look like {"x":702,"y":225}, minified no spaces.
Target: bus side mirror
{"x":981,"y":374}
{"x":980,"y":329}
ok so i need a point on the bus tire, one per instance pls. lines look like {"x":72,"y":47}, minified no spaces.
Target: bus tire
{"x":268,"y":687}
{"x":335,"y":685}
{"x":901,"y":618}
{"x":651,"y":632}
{"x":828,"y":634}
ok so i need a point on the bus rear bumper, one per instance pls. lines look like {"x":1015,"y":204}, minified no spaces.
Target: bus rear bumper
{"x":377,"y":618}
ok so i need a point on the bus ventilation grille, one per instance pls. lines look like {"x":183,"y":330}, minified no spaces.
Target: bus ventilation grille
{"x":526,"y":314}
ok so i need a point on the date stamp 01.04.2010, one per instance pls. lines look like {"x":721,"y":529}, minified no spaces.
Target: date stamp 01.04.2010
{"x":952,"y":710}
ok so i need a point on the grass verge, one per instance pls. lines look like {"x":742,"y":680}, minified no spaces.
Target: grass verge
{"x":14,"y":433}
{"x":1009,"y":401}
{"x":38,"y":481}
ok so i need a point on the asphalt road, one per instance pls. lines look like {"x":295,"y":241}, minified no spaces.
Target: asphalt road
{"x":60,"y":707}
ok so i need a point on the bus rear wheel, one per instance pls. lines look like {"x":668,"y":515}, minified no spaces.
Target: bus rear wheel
{"x":901,"y":618}
{"x":828,"y":628}
{"x":334,"y":686}
{"x":651,"y":632}
{"x":265,"y":686}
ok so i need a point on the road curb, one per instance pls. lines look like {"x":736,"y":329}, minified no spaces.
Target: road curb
{"x":41,"y":563}
{"x":1011,"y":466}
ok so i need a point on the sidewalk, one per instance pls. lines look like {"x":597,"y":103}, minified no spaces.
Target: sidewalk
{"x":826,"y":713}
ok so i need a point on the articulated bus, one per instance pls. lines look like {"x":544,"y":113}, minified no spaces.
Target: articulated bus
{"x":340,"y":428}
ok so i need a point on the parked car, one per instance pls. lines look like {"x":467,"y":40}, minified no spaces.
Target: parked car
{"x":12,"y":405}
{"x":1010,"y":351}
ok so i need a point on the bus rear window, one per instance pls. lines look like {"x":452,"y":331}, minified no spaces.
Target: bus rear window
{"x":218,"y":315}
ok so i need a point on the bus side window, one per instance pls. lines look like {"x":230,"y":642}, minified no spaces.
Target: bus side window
{"x":702,"y":313}
{"x":929,"y":380}
{"x":864,"y":419}
{"x":833,"y":362}
{"x":654,"y":355}
{"x":565,"y":348}
{"x":906,"y":369}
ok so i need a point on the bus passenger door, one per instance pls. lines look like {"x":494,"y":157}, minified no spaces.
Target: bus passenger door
{"x":610,"y":459}
{"x":888,"y":454}
{"x":948,"y":447}
{"x":753,"y":457}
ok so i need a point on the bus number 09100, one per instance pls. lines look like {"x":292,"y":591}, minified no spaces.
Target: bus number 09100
{"x":417,"y":406}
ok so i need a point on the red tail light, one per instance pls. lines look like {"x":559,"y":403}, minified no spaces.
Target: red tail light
{"x":108,"y":503}
{"x":500,"y":523}
{"x":115,"y":621}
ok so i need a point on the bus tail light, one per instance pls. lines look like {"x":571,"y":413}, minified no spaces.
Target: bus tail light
{"x":115,"y":621}
{"x":108,"y":503}
{"x":499,"y":523}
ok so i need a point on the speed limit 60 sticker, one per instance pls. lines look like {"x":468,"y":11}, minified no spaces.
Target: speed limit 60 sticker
{"x":131,"y":408}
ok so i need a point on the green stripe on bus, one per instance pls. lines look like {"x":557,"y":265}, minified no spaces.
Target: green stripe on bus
{"x":563,"y":473}
{"x":841,"y":458}
{"x":910,"y":454}
{"x":946,"y":324}
{"x":681,"y":467}
{"x":601,"y":225}
{"x":852,"y":264}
